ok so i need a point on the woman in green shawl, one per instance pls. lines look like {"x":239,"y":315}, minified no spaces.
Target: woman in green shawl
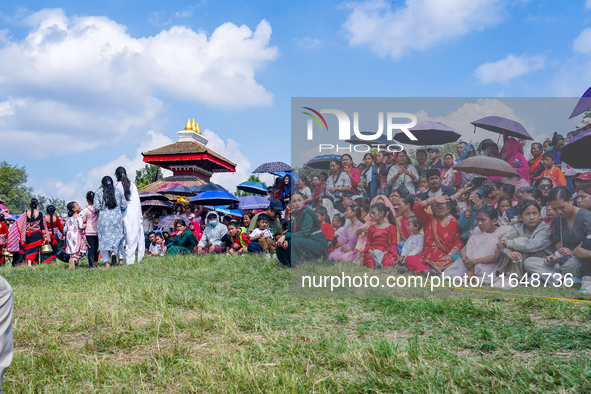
{"x":185,"y":241}
{"x":304,"y":241}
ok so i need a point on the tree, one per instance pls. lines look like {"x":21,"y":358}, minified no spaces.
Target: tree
{"x":60,"y":205}
{"x":240,"y":193}
{"x":13,"y":191}
{"x":149,"y":174}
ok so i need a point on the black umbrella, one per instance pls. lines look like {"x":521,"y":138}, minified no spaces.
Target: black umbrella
{"x":576,"y":152}
{"x":428,"y":133}
{"x":179,"y":190}
{"x":208,"y":187}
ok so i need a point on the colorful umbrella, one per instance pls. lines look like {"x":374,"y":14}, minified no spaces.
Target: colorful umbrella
{"x":322,"y":162}
{"x":274,"y":166}
{"x":583,"y":105}
{"x":179,"y":190}
{"x":253,"y":187}
{"x":3,"y":208}
{"x":214,"y":197}
{"x":428,"y":133}
{"x":498,"y":125}
{"x":253,"y":202}
{"x":164,"y":187}
{"x":208,"y":188}
{"x":487,"y":166}
{"x":167,"y":221}
{"x":575,"y":153}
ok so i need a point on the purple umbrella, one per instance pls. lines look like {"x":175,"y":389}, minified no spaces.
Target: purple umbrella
{"x":498,"y":125}
{"x":253,"y":202}
{"x":576,"y":152}
{"x":274,"y":166}
{"x":583,"y":105}
{"x":429,"y":133}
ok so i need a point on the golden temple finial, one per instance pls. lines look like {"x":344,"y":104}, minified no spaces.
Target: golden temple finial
{"x":193,"y":127}
{"x":188,"y":125}
{"x":198,"y":129}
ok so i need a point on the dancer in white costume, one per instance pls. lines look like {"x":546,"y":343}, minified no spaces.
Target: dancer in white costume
{"x":132,"y":219}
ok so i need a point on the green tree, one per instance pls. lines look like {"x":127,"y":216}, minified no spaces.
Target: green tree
{"x":240,"y":193}
{"x":59,"y":204}
{"x":149,"y":174}
{"x":13,"y":191}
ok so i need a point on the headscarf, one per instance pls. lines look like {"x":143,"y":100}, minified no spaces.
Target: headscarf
{"x":516,"y":158}
{"x":465,"y":151}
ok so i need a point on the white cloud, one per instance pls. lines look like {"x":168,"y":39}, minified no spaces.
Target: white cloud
{"x":588,"y":5}
{"x":81,"y":82}
{"x":508,"y":68}
{"x":419,"y":25}
{"x":309,"y":43}
{"x":582,"y":43}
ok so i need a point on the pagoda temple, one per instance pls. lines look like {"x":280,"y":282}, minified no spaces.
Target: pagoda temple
{"x":190,"y":161}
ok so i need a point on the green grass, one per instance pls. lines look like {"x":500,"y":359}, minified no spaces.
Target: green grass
{"x":221,"y":324}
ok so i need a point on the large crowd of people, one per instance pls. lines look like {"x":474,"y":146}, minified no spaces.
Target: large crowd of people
{"x":417,"y":214}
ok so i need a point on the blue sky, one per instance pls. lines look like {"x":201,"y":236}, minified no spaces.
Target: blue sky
{"x":86,"y":87}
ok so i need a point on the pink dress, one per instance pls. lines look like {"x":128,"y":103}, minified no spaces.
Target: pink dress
{"x":383,"y":239}
{"x":75,"y":242}
{"x":347,"y":238}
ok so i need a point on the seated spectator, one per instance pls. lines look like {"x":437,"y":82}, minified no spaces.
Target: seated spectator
{"x":530,"y":237}
{"x":185,"y":240}
{"x":263,"y":236}
{"x":160,"y":241}
{"x":551,"y":170}
{"x":237,"y":239}
{"x":348,"y":237}
{"x":381,"y":245}
{"x":273,"y":212}
{"x":211,"y":240}
{"x":435,"y":187}
{"x":413,"y":244}
{"x":326,"y":228}
{"x":153,"y":248}
{"x":502,"y":206}
{"x":569,"y":229}
{"x":480,"y":256}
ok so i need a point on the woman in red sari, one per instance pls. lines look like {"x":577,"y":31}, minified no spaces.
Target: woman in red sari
{"x":3,"y":238}
{"x":442,"y":237}
{"x":381,"y":246}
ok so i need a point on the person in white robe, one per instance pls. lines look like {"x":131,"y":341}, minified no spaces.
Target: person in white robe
{"x":132,"y":220}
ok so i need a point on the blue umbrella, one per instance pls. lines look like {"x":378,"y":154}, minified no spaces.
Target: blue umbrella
{"x":272,"y":167}
{"x":226,"y":210}
{"x":208,"y":188}
{"x":214,"y":197}
{"x":253,"y":202}
{"x":322,"y":162}
{"x":179,"y":190}
{"x":294,"y":175}
{"x":253,"y":187}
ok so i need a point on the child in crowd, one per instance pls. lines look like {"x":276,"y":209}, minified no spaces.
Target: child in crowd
{"x":167,"y":238}
{"x":338,"y":223}
{"x":550,"y":214}
{"x":381,"y":245}
{"x":75,"y":242}
{"x":327,"y":230}
{"x":508,"y":190}
{"x":90,"y":216}
{"x":160,"y":241}
{"x":423,"y":185}
{"x":237,"y":241}
{"x":503,"y":205}
{"x":551,"y":170}
{"x":413,"y":244}
{"x":263,"y":235}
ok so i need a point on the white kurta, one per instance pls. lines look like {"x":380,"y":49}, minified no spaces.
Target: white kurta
{"x":133,"y":224}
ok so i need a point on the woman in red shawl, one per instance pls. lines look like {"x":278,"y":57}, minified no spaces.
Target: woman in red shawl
{"x":512,"y":153}
{"x":442,"y":237}
{"x":3,"y":238}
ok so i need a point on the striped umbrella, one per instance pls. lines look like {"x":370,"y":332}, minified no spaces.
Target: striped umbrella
{"x":487,"y":166}
{"x":498,"y":125}
{"x":274,"y":166}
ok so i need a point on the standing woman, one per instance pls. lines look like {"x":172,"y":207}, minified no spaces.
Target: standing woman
{"x":132,"y":219}
{"x":402,"y":175}
{"x":33,"y":234}
{"x":337,"y":183}
{"x":52,"y":223}
{"x":367,"y":181}
{"x":350,"y":169}
{"x":109,"y":203}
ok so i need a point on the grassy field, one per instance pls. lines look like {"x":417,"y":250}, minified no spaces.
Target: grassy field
{"x":220,"y":324}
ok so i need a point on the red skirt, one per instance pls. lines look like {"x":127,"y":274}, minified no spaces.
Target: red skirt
{"x":32,"y":245}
